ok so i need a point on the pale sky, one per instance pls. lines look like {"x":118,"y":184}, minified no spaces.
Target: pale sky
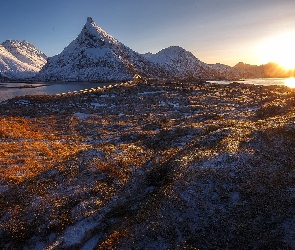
{"x":215,"y":31}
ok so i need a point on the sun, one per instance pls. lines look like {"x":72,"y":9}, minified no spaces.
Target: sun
{"x":280,"y":49}
{"x":290,"y":82}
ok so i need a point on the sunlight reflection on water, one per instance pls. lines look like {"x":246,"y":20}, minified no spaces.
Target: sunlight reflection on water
{"x":290,"y":82}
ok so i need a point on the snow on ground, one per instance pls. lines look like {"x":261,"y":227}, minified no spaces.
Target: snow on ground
{"x":118,"y":169}
{"x":81,"y":116}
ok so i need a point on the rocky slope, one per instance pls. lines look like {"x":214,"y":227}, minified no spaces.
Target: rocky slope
{"x":20,"y":60}
{"x":96,"y":56}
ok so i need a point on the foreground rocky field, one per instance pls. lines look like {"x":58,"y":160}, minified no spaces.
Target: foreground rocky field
{"x":149,"y":166}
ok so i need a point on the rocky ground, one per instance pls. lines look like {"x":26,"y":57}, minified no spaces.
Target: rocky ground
{"x":149,"y":166}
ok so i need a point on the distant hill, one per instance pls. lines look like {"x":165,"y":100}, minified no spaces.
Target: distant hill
{"x":268,"y":70}
{"x":20,"y":60}
{"x":181,"y":64}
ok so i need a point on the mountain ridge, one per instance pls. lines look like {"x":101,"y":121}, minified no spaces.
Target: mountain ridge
{"x":97,"y":56}
{"x":180,"y":63}
{"x":20,"y":60}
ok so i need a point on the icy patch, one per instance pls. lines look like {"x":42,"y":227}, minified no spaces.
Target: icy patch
{"x":104,"y":96}
{"x":91,"y":243}
{"x":81,"y":116}
{"x":150,"y":92}
{"x":75,"y":234}
{"x":22,"y":102}
{"x":39,"y":246}
{"x":96,"y":105}
{"x":235,"y":197}
{"x":218,"y":161}
{"x":3,"y":188}
{"x":157,"y":244}
{"x":253,"y":108}
{"x":175,"y":105}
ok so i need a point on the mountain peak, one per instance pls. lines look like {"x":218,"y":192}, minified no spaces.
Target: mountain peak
{"x":90,"y":25}
{"x":94,"y":36}
{"x":96,"y":55}
{"x":90,"y":20}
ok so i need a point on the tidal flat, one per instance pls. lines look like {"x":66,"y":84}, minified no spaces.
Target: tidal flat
{"x":158,"y":165}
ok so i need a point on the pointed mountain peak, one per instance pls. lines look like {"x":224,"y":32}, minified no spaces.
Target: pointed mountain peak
{"x":90,"y":20}
{"x":93,"y":36}
{"x":90,"y":25}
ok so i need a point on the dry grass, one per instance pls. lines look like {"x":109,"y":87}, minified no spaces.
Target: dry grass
{"x":28,"y":149}
{"x":176,"y":165}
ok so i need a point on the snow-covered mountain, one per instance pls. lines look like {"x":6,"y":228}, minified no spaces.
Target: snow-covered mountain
{"x":180,"y":63}
{"x":26,"y":53}
{"x":97,"y":56}
{"x":20,"y":60}
{"x":223,"y":71}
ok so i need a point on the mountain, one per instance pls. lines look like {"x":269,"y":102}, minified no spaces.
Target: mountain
{"x":223,"y":71}
{"x":269,"y":70}
{"x":96,"y":56}
{"x":250,"y":71}
{"x":20,"y":60}
{"x":26,"y":53}
{"x":180,"y":63}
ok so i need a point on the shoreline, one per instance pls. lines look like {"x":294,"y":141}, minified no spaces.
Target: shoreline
{"x":260,"y":81}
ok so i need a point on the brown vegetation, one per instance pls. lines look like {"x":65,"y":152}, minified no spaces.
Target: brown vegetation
{"x":160,"y":166}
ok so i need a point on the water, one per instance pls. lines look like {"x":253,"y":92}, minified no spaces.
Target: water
{"x":10,"y":90}
{"x":290,"y":82}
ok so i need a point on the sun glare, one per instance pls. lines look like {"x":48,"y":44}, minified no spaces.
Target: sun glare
{"x":280,"y":49}
{"x":290,"y":82}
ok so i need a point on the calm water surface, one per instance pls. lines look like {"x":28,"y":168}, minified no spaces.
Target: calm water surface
{"x":290,"y":82}
{"x":10,"y":90}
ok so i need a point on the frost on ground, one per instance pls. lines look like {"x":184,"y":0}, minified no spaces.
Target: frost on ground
{"x":149,"y":166}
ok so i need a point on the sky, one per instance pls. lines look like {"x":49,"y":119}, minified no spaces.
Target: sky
{"x":215,"y":31}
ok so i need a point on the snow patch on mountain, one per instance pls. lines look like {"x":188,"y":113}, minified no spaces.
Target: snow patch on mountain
{"x":180,"y":63}
{"x":20,"y":60}
{"x":95,"y":55}
{"x":26,"y":53}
